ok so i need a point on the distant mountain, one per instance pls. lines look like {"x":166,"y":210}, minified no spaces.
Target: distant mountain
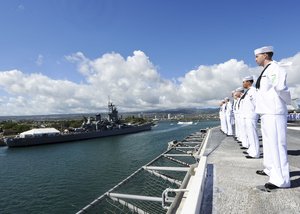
{"x":186,"y":111}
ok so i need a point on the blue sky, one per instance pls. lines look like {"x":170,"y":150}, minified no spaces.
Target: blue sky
{"x":38,"y":37}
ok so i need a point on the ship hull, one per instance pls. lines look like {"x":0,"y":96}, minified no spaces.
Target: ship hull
{"x":33,"y":141}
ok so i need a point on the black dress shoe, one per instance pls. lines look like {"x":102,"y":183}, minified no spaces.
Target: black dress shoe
{"x":243,"y":147}
{"x":244,"y":152}
{"x":249,"y":157}
{"x":261,"y":172}
{"x":271,"y":186}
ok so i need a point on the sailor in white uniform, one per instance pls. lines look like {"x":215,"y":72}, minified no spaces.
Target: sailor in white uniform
{"x":232,"y":112}
{"x":224,"y":108}
{"x":229,"y":117}
{"x":237,"y":95}
{"x":271,"y":103}
{"x":223,"y":116}
{"x":250,"y":117}
{"x":242,"y":127}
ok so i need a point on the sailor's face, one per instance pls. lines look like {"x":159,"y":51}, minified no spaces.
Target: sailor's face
{"x":246,"y":84}
{"x":260,"y":58}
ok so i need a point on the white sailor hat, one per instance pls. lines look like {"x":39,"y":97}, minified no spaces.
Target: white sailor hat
{"x":264,"y":49}
{"x":248,"y":78}
{"x":240,"y":89}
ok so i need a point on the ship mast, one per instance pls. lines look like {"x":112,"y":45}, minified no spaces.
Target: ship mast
{"x":112,"y":113}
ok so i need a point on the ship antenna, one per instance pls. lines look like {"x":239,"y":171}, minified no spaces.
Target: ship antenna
{"x":109,"y":101}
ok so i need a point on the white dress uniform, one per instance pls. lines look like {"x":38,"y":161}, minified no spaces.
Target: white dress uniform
{"x":223,"y":118}
{"x":220,"y":117}
{"x":271,"y":103}
{"x":250,"y":119}
{"x":242,"y":126}
{"x":236,"y":114}
{"x":229,"y":118}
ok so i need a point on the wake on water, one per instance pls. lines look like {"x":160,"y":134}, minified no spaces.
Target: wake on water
{"x":168,"y":129}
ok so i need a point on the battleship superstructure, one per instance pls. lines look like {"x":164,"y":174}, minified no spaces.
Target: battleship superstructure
{"x":91,"y":128}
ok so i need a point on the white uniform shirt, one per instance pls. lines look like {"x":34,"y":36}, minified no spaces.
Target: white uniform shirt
{"x":224,"y":107}
{"x":249,"y":102}
{"x":229,"y":109}
{"x":273,"y":95}
{"x":234,"y":105}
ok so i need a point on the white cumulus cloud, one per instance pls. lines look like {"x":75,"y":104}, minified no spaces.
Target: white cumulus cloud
{"x":132,"y":83}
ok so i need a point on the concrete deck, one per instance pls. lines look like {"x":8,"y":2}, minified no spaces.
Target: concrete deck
{"x":231,"y":182}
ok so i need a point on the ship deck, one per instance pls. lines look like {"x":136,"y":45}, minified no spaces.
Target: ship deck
{"x":231,"y":184}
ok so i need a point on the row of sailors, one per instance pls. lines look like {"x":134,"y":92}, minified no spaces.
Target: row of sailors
{"x":238,"y":118}
{"x":269,"y":100}
{"x":229,"y":112}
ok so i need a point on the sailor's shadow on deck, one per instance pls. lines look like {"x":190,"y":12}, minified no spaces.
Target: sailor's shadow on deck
{"x":295,"y":182}
{"x":294,"y":152}
{"x":207,"y":199}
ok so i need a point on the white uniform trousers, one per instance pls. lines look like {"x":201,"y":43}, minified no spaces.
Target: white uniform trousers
{"x":236,"y":125}
{"x":221,"y":120}
{"x":243,"y":135}
{"x":273,"y":128}
{"x":229,"y":124}
{"x":252,"y":137}
{"x":224,"y":123}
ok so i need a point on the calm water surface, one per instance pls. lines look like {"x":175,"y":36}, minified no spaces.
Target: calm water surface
{"x":63,"y":178}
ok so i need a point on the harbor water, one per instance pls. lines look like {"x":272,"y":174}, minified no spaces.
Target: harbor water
{"x":63,"y":178}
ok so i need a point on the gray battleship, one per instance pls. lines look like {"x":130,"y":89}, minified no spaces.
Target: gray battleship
{"x":91,"y":128}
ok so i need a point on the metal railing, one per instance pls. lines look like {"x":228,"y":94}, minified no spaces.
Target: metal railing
{"x":158,"y":187}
